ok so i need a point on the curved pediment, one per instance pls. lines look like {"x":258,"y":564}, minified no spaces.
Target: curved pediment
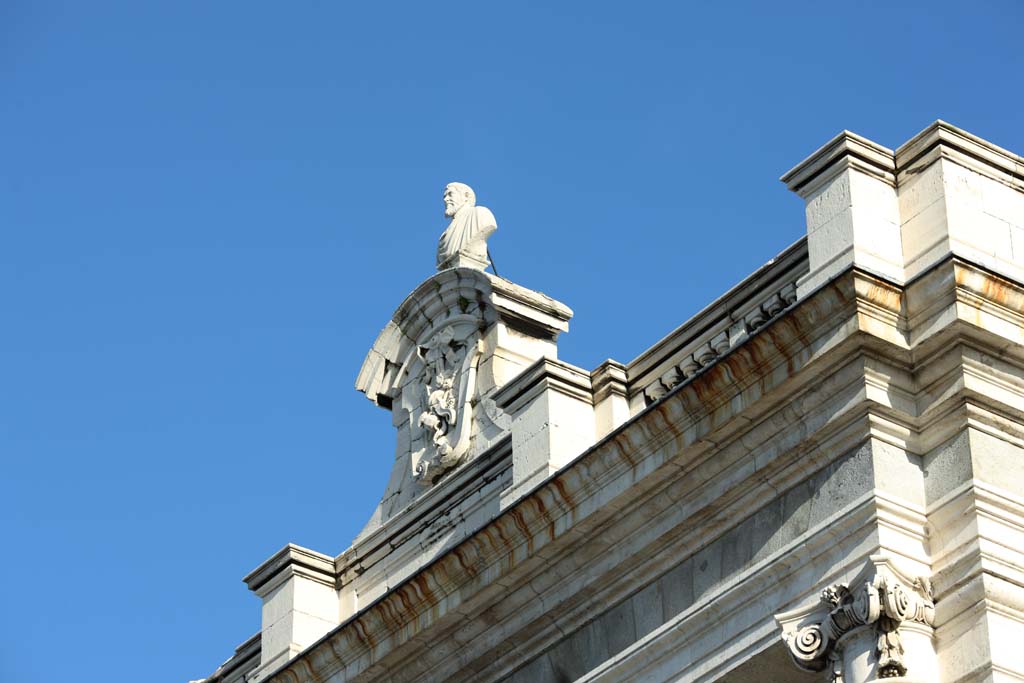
{"x":453,"y":342}
{"x":455,"y":294}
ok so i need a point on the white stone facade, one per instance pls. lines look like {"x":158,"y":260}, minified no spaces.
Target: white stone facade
{"x":820,"y":477}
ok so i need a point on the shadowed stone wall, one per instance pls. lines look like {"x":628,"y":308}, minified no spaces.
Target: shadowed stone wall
{"x":782,"y":521}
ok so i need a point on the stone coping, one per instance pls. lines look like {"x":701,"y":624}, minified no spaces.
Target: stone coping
{"x":245,"y":659}
{"x":968,"y":150}
{"x":367,"y":550}
{"x":291,"y":559}
{"x":544,"y":373}
{"x":845,"y":148}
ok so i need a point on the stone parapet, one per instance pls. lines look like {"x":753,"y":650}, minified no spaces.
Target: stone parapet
{"x":720,"y":326}
{"x":826,"y":387}
{"x":899,"y":213}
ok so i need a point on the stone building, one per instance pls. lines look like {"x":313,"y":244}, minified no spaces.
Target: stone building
{"x":819,"y":477}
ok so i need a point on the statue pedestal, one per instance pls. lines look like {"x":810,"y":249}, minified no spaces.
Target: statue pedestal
{"x":465,"y":258}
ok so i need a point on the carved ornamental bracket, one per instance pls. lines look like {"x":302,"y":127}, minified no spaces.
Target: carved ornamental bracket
{"x":877,"y":605}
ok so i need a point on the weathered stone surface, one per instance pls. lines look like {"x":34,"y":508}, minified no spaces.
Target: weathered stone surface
{"x":846,"y":422}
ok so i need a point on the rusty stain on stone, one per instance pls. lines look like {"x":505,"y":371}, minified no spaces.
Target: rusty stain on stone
{"x":517,"y":518}
{"x":563,"y":492}
{"x":363,"y":635}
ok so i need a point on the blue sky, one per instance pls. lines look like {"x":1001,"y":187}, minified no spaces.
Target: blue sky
{"x":209,"y":209}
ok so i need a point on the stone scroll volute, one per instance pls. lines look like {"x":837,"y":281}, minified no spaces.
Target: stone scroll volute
{"x":876,"y":627}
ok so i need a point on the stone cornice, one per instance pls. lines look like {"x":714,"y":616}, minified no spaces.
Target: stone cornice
{"x":245,"y":659}
{"x":609,"y":379}
{"x":939,"y":140}
{"x":726,"y":442}
{"x":394,"y":534}
{"x":291,"y":560}
{"x":545,"y":374}
{"x":548,"y":520}
{"x":944,"y":140}
{"x":534,"y":308}
{"x":846,"y":150}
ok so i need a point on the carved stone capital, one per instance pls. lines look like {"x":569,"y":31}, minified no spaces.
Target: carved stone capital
{"x":871,"y":609}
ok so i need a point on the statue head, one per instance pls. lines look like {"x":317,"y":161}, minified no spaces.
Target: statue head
{"x":457,"y":195}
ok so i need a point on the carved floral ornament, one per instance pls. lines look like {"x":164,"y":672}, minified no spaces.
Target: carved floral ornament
{"x":879,"y":605}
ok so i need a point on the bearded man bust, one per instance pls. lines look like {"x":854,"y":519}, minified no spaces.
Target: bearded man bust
{"x":464,"y":243}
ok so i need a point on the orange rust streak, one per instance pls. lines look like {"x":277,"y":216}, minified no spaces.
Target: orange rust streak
{"x":517,"y":518}
{"x":363,"y":635}
{"x":424,"y":589}
{"x":564,"y":492}
{"x":467,"y":567}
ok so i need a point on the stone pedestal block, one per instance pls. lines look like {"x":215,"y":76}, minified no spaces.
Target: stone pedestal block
{"x":300,"y":604}
{"x":852,"y":210}
{"x":552,"y":411}
{"x":897,"y":214}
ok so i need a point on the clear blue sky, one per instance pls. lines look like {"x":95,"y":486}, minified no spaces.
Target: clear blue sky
{"x":209,"y":209}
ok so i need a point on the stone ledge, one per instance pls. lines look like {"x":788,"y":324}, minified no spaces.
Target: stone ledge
{"x":684,"y":437}
{"x":245,"y":659}
{"x":291,"y":560}
{"x":845,"y":150}
{"x":945,"y":140}
{"x":544,"y":374}
{"x":608,"y":379}
{"x":438,"y":592}
{"x":367,"y":551}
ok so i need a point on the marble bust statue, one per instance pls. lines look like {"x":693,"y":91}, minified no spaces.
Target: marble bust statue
{"x":464,"y":242}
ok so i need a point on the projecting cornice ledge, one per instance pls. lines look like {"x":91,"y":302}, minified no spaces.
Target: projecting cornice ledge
{"x":944,"y":140}
{"x":404,"y":635}
{"x":692,"y":434}
{"x":939,"y":140}
{"x":846,"y":150}
{"x":291,"y":560}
